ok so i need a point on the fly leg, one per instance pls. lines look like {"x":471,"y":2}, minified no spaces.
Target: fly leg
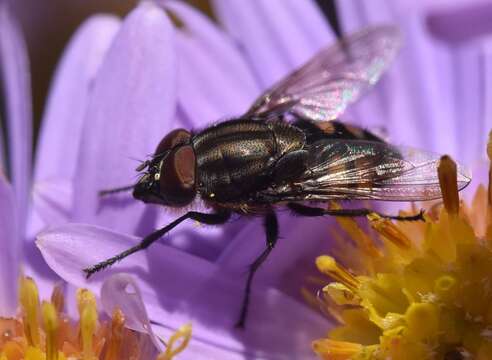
{"x":217,"y":218}
{"x":271,"y":231}
{"x":304,"y":210}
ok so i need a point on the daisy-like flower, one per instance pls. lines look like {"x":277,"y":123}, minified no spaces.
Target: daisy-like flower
{"x":150,"y":78}
{"x":425,"y":293}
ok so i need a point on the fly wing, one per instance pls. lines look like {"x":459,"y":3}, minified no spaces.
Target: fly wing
{"x":341,"y":169}
{"x":333,"y":78}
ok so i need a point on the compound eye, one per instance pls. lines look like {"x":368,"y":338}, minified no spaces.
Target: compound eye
{"x":173,"y":139}
{"x":177,"y":176}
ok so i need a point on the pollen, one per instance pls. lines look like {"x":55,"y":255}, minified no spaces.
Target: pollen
{"x":42,"y":331}
{"x":427,"y":294}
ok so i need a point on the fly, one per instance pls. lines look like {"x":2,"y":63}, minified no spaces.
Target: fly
{"x":289,"y":150}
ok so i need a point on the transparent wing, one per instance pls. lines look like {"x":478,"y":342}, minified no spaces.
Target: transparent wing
{"x":342,"y":169}
{"x":333,"y":78}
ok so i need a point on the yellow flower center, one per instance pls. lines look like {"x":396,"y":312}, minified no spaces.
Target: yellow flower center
{"x":426,"y":293}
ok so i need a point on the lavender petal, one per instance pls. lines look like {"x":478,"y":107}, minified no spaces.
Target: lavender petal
{"x":463,"y":31}
{"x":292,"y":259}
{"x":14,"y":69}
{"x":487,"y":78}
{"x":460,"y":23}
{"x":59,"y":141}
{"x":414,"y":95}
{"x":276,"y":35}
{"x":207,"y":57}
{"x":52,"y":203}
{"x":10,"y":245}
{"x":130,"y":108}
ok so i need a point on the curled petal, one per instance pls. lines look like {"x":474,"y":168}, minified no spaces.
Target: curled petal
{"x":120,"y":291}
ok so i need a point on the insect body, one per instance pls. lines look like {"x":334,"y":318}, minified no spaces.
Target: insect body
{"x":288,"y":150}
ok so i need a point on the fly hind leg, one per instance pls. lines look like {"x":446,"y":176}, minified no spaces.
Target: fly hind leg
{"x":304,"y":210}
{"x":271,"y":231}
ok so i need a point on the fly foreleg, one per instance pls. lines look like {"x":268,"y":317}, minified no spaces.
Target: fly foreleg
{"x":217,"y":218}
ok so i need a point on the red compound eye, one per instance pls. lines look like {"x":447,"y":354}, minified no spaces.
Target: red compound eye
{"x":173,"y":139}
{"x":177,"y":176}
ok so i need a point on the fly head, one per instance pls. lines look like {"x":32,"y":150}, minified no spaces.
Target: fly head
{"x":169,"y":177}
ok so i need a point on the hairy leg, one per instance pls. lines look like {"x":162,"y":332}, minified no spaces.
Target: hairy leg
{"x":211,"y":219}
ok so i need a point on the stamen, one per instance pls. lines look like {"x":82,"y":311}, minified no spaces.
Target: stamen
{"x":389,"y":230}
{"x":29,"y":299}
{"x":333,"y":349}
{"x":341,"y":294}
{"x":117,"y":328}
{"x":88,"y":321}
{"x":327,"y":265}
{"x":51,"y":326}
{"x":181,"y":337}
{"x":448,"y":176}
{"x":351,"y":227}
{"x":57,"y":298}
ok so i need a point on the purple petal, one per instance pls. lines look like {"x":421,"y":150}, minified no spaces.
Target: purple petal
{"x":130,"y":108}
{"x":276,"y":35}
{"x":292,"y":259}
{"x":208,"y":59}
{"x":14,"y":69}
{"x":487,"y":91}
{"x":198,"y":349}
{"x":120,"y":291}
{"x":412,"y":96}
{"x":52,"y":202}
{"x":178,"y":287}
{"x":461,"y":22}
{"x":469,"y":101}
{"x":59,"y":142}
{"x":10,"y":244}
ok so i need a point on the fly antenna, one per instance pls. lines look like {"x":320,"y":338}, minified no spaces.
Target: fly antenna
{"x":115,"y":190}
{"x":142,"y":165}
